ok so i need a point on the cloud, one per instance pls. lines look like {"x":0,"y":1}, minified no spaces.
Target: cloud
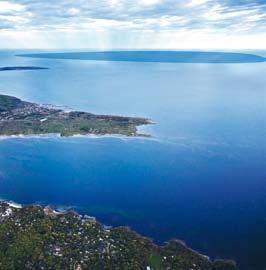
{"x":131,"y":20}
{"x":73,"y":11}
{"x":194,"y":3}
{"x":7,"y":7}
{"x":149,"y":2}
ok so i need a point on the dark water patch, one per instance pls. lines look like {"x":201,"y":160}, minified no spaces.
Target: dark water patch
{"x":156,"y":56}
{"x":21,"y":68}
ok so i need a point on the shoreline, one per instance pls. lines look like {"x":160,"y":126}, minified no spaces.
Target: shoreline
{"x":82,"y":136}
{"x":55,"y":211}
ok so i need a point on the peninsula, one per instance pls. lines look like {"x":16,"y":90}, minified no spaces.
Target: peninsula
{"x":37,"y":237}
{"x":19,"y":117}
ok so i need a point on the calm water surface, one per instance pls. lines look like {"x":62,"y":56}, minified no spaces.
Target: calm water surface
{"x":201,"y":178}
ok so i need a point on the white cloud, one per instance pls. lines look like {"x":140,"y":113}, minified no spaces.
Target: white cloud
{"x":194,"y":3}
{"x":6,"y":7}
{"x":14,"y":19}
{"x":113,"y":3}
{"x":148,"y":2}
{"x":256,"y":17}
{"x":183,"y":39}
{"x":126,"y":23}
{"x":103,"y":24}
{"x":73,"y":11}
{"x":219,"y":13}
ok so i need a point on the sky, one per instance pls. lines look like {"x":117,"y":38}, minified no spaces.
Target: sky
{"x":133,"y":24}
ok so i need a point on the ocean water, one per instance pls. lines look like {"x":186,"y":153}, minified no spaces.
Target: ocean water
{"x":201,"y":178}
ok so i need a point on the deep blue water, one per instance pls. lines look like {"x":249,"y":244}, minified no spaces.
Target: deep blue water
{"x":201,"y":178}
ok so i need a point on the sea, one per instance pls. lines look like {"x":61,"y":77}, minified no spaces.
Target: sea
{"x":200,"y":178}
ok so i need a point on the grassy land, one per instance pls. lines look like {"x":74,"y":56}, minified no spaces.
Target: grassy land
{"x":155,"y":260}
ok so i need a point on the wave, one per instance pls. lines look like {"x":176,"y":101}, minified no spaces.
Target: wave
{"x":75,"y":136}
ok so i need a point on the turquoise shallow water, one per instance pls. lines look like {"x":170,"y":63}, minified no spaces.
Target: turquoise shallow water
{"x":201,"y":178}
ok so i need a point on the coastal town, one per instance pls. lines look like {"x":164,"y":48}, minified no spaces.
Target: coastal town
{"x":39,"y":237}
{"x":27,"y":110}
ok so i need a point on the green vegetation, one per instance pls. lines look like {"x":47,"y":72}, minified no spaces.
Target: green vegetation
{"x":155,"y":260}
{"x":34,"y":237}
{"x":19,"y":117}
{"x":8,"y":103}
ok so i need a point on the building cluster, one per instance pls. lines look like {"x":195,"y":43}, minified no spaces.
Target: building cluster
{"x":25,"y":111}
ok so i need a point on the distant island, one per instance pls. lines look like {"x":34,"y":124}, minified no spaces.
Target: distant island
{"x":21,"y":68}
{"x":37,"y":237}
{"x":156,"y":56}
{"x":18,"y":117}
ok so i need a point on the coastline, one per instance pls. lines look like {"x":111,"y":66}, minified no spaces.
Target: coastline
{"x":82,"y":136}
{"x":54,"y":212}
